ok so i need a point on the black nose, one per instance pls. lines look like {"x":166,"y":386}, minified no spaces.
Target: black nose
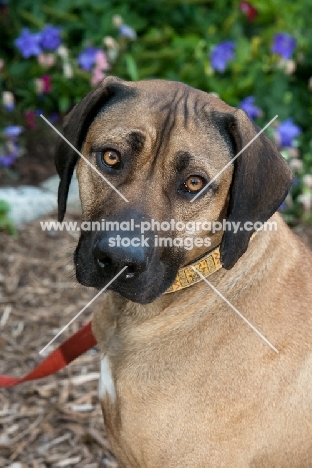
{"x":112,"y":252}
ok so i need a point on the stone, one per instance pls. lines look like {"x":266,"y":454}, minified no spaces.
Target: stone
{"x":73,"y":201}
{"x":27,"y":203}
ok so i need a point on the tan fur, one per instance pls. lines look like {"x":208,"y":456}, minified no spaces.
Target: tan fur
{"x":236,"y":402}
{"x":195,"y":385}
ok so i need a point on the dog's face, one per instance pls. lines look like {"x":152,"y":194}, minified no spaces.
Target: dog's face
{"x":159,"y":144}
{"x":158,"y":159}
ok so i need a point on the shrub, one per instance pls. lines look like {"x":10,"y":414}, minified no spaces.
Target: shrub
{"x":256,"y":56}
{"x":5,"y":223}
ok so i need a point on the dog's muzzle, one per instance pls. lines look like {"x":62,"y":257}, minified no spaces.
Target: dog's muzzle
{"x":127,"y":251}
{"x":101,"y":256}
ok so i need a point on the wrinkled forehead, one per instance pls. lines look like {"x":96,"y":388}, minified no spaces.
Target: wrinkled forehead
{"x":159,"y":109}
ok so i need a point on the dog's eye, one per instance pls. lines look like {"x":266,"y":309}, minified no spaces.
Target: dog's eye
{"x":193,"y":184}
{"x":111,"y":158}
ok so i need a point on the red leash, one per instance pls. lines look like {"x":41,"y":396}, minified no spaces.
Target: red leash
{"x":67,"y":352}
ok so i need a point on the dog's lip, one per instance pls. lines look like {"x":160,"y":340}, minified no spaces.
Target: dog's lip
{"x":140,"y":288}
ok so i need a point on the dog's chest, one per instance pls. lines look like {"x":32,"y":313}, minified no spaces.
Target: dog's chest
{"x":107,"y":387}
{"x":161,"y":400}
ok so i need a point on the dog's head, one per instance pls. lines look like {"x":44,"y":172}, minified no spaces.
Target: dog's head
{"x":159,"y":143}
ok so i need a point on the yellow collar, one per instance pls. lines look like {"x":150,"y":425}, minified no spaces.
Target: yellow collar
{"x":206,"y":266}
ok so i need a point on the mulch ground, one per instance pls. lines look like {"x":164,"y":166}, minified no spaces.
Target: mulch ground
{"x":54,"y":422}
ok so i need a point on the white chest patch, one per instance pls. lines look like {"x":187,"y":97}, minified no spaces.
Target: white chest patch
{"x":106,"y":382}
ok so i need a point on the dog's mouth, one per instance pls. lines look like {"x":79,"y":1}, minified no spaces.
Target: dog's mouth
{"x":139,"y":276}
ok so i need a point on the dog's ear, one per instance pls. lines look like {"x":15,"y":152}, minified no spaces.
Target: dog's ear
{"x":261,"y":180}
{"x":76,"y":125}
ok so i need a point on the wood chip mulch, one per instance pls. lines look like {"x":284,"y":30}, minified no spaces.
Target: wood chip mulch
{"x":56,"y":421}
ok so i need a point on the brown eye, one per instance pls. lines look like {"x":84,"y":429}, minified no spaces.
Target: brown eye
{"x":111,"y":158}
{"x":193,"y":184}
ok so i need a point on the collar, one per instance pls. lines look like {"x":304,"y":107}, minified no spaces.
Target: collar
{"x":206,"y":265}
{"x":186,"y":276}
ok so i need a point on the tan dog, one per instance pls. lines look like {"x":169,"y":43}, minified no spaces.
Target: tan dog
{"x":185,"y":382}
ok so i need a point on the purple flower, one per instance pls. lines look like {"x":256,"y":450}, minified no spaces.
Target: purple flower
{"x":287,"y":131}
{"x":50,"y":37}
{"x":10,"y":155}
{"x":11,"y":148}
{"x":128,"y":32}
{"x":221,"y":54}
{"x":284,"y":45}
{"x":7,"y":160}
{"x":54,"y":117}
{"x":13,"y":131}
{"x":86,"y":58}
{"x":296,"y":182}
{"x":282,"y":207}
{"x":248,"y":105}
{"x":10,"y":107}
{"x":28,"y":44}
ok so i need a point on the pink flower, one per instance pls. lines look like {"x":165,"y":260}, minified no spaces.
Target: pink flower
{"x":46,"y":80}
{"x":249,"y":10}
{"x":101,"y":65}
{"x":43,"y":84}
{"x":101,"y":61}
{"x":97,"y":76}
{"x":46,"y":60}
{"x":1,"y":64}
{"x":30,"y":117}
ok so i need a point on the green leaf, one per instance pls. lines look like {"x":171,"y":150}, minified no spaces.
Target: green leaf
{"x":132,"y":68}
{"x":4,"y":207}
{"x":63,"y":103}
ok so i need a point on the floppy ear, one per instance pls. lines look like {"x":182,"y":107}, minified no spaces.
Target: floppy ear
{"x":260,"y":183}
{"x":76,"y":125}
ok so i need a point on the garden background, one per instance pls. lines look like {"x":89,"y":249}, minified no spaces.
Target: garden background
{"x":256,"y":55}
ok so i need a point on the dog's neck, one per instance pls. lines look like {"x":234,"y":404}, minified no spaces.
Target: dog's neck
{"x":206,"y":266}
{"x":128,"y":316}
{"x":187,"y":275}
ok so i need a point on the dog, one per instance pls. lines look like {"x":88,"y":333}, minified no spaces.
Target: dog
{"x":185,"y":382}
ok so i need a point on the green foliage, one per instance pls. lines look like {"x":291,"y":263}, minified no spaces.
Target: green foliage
{"x":174,"y":41}
{"x":5,"y":223}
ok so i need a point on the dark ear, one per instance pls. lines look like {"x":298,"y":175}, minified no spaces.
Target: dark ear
{"x":260,"y":183}
{"x":76,"y":125}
